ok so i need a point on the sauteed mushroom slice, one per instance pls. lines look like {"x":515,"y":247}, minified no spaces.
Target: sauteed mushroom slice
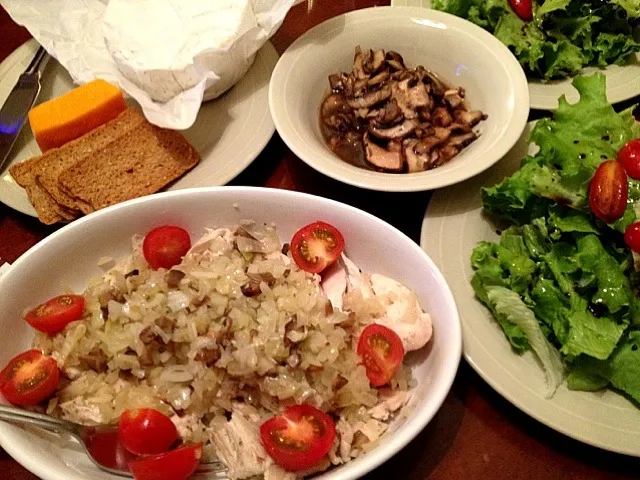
{"x":397,"y":131}
{"x":390,"y":158}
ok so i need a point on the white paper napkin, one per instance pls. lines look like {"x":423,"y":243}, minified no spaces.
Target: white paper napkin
{"x":75,"y":32}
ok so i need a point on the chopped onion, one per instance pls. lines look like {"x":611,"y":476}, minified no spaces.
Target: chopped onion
{"x":176,"y":374}
{"x":114,"y":308}
{"x":177,"y":300}
{"x":183,"y":400}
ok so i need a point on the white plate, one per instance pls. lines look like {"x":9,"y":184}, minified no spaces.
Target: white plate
{"x":229,"y":132}
{"x":623,"y":82}
{"x":452,"y":226}
{"x":67,"y":258}
{"x":461,"y":53}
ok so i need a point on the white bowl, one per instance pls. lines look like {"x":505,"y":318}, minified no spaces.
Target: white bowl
{"x":458,"y":51}
{"x":69,"y":257}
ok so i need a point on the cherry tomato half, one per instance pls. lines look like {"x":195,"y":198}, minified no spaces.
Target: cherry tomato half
{"x":164,"y":247}
{"x":146,"y":431}
{"x":53,"y":315}
{"x":299,"y":438}
{"x":608,"y":191}
{"x":523,"y":8}
{"x":381,"y":351}
{"x":632,"y":237}
{"x":178,"y":464}
{"x":629,"y":157}
{"x":29,"y":378}
{"x":316,"y":246}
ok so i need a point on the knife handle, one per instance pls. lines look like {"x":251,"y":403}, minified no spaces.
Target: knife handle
{"x":39,"y":61}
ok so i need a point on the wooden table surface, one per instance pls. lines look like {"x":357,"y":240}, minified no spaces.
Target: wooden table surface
{"x":476,"y":434}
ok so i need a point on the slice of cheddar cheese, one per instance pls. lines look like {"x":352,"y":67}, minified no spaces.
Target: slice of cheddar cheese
{"x":65,"y":118}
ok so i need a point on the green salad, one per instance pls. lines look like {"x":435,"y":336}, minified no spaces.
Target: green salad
{"x":564,"y":35}
{"x":561,"y":282}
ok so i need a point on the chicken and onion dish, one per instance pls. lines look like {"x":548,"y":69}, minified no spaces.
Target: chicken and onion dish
{"x":387,"y":117}
{"x":281,"y":360}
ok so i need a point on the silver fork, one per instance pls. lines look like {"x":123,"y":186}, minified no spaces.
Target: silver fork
{"x":98,"y":442}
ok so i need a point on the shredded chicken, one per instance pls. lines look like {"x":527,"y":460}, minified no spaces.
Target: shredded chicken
{"x":81,"y":411}
{"x":238,"y":446}
{"x":391,"y":402}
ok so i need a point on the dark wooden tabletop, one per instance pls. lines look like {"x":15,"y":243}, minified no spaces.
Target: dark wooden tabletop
{"x":476,"y":434}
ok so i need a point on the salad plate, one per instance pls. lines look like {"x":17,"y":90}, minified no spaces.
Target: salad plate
{"x":623,"y":82}
{"x":230,"y":132}
{"x":452,"y":227}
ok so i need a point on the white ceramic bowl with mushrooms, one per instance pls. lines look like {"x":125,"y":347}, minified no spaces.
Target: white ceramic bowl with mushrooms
{"x":412,"y":128}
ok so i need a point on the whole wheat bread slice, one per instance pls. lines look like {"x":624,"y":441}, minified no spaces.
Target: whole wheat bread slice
{"x":138,"y":163}
{"x":55,"y":161}
{"x":49,"y":212}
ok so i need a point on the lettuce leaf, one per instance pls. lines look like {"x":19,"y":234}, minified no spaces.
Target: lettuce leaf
{"x":621,"y":370}
{"x":510,"y":308}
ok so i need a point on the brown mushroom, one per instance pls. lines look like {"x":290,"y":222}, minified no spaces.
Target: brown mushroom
{"x":398,"y":131}
{"x":371,"y":98}
{"x":468,"y":118}
{"x":454,"y":97}
{"x":415,"y":162}
{"x":390,"y":158}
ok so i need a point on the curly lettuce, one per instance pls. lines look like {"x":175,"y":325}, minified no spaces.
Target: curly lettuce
{"x":565,"y":35}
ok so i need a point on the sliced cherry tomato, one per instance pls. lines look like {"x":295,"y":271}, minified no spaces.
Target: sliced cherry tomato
{"x":316,"y":246}
{"x":164,"y":247}
{"x":53,"y":315}
{"x":382,"y":353}
{"x":523,"y":8}
{"x":629,"y":157}
{"x":29,"y":378}
{"x":145,"y":431}
{"x":178,"y":464}
{"x":632,"y":237}
{"x":608,"y":191}
{"x":299,"y":438}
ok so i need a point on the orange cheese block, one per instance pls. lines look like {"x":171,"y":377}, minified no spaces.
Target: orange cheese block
{"x":60,"y":120}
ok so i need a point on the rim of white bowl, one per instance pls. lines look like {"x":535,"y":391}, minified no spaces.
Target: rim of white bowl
{"x":337,"y":169}
{"x":10,"y":435}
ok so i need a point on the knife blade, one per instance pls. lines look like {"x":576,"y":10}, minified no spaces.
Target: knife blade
{"x":13,"y":113}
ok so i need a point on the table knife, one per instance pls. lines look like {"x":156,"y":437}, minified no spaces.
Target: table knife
{"x":14,"y":111}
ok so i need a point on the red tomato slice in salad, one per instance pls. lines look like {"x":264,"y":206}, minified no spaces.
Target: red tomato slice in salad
{"x":29,"y":378}
{"x":381,"y":351}
{"x":54,"y":314}
{"x":632,"y":237}
{"x":164,"y":247}
{"x":146,"y":431}
{"x":178,"y":464}
{"x":299,"y":438}
{"x":523,"y":8}
{"x":629,"y":157}
{"x":316,"y":246}
{"x":608,"y":191}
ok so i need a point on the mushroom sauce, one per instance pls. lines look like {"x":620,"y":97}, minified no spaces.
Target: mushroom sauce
{"x":386,"y":117}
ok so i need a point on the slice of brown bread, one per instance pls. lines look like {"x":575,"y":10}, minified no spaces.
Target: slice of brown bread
{"x":138,"y":163}
{"x":55,"y":161}
{"x":49,"y":212}
{"x":24,"y":173}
